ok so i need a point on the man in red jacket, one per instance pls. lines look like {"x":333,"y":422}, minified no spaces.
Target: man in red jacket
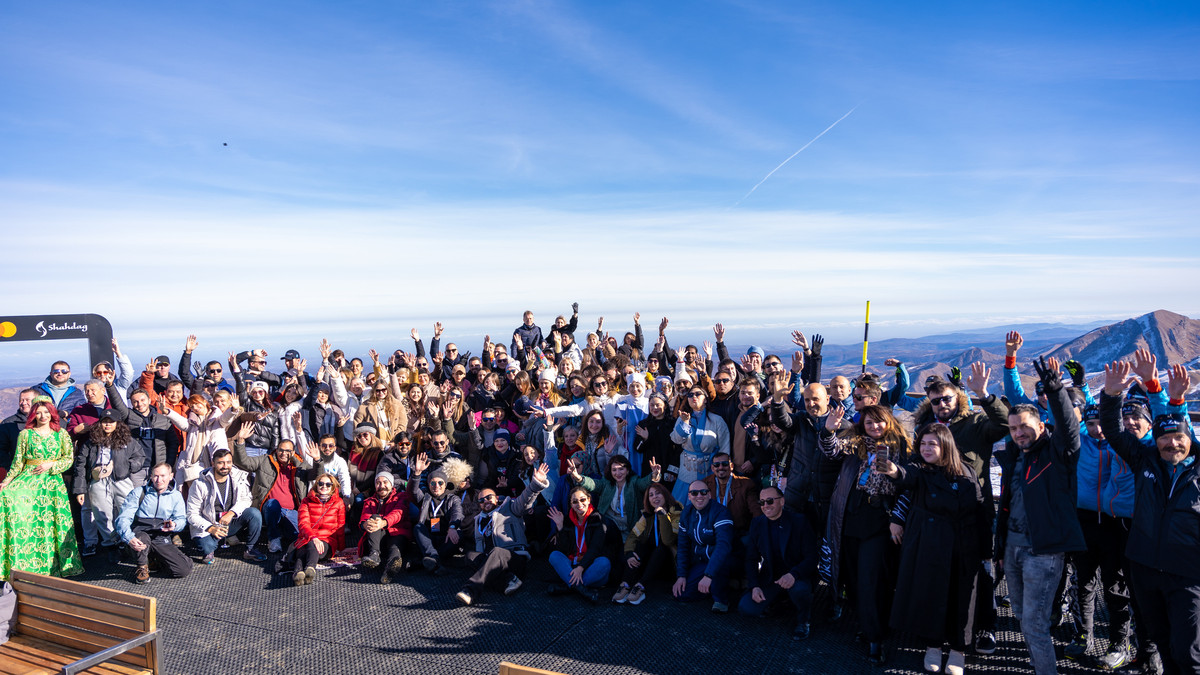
{"x":386,"y":527}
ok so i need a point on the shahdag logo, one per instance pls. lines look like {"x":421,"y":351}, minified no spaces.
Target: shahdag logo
{"x":43,"y":329}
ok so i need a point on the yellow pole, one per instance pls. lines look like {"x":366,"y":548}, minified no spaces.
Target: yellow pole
{"x":866,"y":329}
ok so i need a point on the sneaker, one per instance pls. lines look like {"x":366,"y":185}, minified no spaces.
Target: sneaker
{"x":514,"y":585}
{"x":800,"y":632}
{"x":310,"y":575}
{"x":176,"y":540}
{"x":834,"y":612}
{"x":429,"y":563}
{"x":141,"y":575}
{"x":955,"y":663}
{"x":88,"y":551}
{"x":1151,"y":663}
{"x":720,"y":608}
{"x":636,"y":595}
{"x":395,"y":566}
{"x":208,"y":559}
{"x":622,"y":594}
{"x":275,"y":545}
{"x":985,"y":642}
{"x":371,"y":561}
{"x":876,"y":653}
{"x":1078,"y":648}
{"x":463,"y":597}
{"x":385,"y":578}
{"x":590,"y":594}
{"x":933,"y":660}
{"x":1117,"y":657}
{"x":254,"y":555}
{"x":299,"y":578}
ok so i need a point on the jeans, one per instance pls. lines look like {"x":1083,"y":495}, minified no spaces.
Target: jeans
{"x":697,"y":571}
{"x":1032,"y":580}
{"x":105,"y":497}
{"x":594,"y":576}
{"x":273,"y":514}
{"x":251,"y":519}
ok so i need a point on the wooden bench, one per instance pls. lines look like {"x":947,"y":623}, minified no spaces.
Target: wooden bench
{"x":507,"y":668}
{"x":68,"y":627}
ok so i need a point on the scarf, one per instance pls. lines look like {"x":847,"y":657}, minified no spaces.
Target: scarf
{"x":580,"y":534}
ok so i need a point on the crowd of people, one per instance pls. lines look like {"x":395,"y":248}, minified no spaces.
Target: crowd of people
{"x":686,"y":473}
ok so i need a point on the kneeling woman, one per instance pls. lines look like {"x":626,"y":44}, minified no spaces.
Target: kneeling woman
{"x":650,"y":546}
{"x":949,"y":532}
{"x":579,"y":558}
{"x":322,"y":528}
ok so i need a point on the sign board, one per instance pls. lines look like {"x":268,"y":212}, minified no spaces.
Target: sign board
{"x":91,"y":327}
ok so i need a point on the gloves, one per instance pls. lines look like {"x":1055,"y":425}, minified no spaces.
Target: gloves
{"x":1077,"y":372}
{"x":956,"y":377}
{"x":1049,"y":377}
{"x":574,"y":307}
{"x":817,"y":341}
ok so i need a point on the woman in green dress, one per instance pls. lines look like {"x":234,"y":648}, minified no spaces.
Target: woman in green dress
{"x":37,"y":533}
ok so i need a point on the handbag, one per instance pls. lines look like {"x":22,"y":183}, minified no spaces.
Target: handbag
{"x":8,"y":610}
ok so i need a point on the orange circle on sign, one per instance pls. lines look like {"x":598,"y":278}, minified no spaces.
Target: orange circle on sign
{"x":8,"y":329}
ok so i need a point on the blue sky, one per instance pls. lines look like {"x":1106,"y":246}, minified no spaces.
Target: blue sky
{"x":392,"y":163}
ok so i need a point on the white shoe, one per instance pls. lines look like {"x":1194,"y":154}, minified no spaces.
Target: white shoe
{"x":933,"y":660}
{"x":514,"y":585}
{"x":955,"y":663}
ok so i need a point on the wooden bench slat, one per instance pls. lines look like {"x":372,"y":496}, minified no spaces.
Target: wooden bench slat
{"x":54,"y":656}
{"x":29,"y":601}
{"x":54,"y":633}
{"x":69,"y":586}
{"x":69,"y":618}
{"x":57,"y":597}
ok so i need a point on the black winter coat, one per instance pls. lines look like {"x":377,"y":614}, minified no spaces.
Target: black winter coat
{"x":1165,"y":532}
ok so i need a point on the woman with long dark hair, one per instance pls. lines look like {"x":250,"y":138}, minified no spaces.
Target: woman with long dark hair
{"x":104,"y":467}
{"x":949,"y":534}
{"x":650,"y":545}
{"x":861,"y":526}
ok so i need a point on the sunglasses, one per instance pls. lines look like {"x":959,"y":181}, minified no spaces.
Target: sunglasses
{"x":721,"y":463}
{"x":859,"y":397}
{"x":214,"y":371}
{"x":61,"y":371}
{"x":768,"y":501}
{"x":695,"y":394}
{"x":437,"y":482}
{"x":698,"y":493}
{"x":581,"y":500}
{"x":99,"y":372}
{"x":258,"y":363}
{"x":484,"y":500}
{"x":326,"y":446}
{"x":941,"y":400}
{"x":324,"y":483}
{"x":406,"y":444}
{"x":487,"y":419}
{"x":157,"y":365}
{"x":599,"y":384}
{"x":722,"y":380}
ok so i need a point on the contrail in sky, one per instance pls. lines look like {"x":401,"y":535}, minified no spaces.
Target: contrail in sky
{"x":814,"y":140}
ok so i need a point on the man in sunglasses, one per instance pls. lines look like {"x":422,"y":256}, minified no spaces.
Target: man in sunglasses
{"x":975,"y":431}
{"x":781,"y":560}
{"x":703,"y":559}
{"x":438,"y":520}
{"x":500,"y":545}
{"x":212,"y":374}
{"x":61,"y":389}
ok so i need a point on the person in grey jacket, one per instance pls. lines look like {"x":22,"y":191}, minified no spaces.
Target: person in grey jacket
{"x":500,"y":545}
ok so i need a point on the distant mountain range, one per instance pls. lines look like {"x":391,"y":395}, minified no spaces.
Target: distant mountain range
{"x":1172,"y":338}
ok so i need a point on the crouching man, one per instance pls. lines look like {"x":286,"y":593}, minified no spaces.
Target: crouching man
{"x":150,"y":517}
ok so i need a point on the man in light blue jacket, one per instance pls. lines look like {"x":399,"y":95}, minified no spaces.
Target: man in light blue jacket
{"x":149,"y":518}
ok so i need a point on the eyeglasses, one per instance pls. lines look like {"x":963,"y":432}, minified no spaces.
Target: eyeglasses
{"x":768,"y":501}
{"x":941,"y":400}
{"x":698,"y":493}
{"x":726,"y":463}
{"x":722,"y":380}
{"x":61,"y":371}
{"x":324,"y":483}
{"x":437,"y":482}
{"x":326,"y":446}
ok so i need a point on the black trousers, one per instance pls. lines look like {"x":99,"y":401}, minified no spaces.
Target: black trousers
{"x":869,"y":580}
{"x":495,"y":568}
{"x":654,"y":560}
{"x":384,"y":544}
{"x":1101,"y":567}
{"x":165,"y":551}
{"x":985,"y":586}
{"x":433,"y":544}
{"x":1169,"y":605}
{"x":308,"y":556}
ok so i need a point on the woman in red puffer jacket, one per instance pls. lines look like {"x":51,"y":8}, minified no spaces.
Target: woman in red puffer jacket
{"x":322,"y":526}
